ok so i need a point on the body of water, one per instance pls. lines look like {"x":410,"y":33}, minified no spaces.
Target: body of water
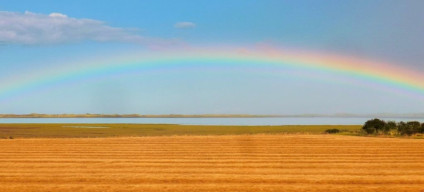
{"x":210,"y":121}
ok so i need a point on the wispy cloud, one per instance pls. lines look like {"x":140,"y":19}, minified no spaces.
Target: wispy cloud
{"x":32,"y":28}
{"x":184,"y":25}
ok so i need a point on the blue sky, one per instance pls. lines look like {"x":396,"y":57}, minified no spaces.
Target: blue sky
{"x":385,"y":30}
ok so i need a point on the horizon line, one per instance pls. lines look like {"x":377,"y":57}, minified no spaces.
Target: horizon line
{"x":135,"y":115}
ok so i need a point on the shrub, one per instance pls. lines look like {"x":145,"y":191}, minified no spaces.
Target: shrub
{"x":332,"y":131}
{"x":10,"y":137}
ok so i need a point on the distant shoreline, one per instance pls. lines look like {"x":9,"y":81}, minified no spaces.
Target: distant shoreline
{"x":129,"y":116}
{"x":37,"y":115}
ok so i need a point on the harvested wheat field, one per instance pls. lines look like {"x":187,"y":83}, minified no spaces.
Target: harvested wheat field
{"x":213,"y":163}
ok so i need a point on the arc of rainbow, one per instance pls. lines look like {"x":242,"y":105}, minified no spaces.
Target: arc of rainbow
{"x":382,"y":73}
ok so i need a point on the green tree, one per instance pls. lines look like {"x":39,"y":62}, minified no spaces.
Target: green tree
{"x":374,"y":126}
{"x":406,"y":128}
{"x":415,"y":126}
{"x":390,"y":125}
{"x":422,"y":128}
{"x":401,"y":127}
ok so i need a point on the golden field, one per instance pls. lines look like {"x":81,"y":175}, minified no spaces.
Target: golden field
{"x":260,"y":162}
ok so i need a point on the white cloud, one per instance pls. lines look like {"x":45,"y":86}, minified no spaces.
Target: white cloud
{"x":184,"y":25}
{"x":58,"y":15}
{"x":33,"y":28}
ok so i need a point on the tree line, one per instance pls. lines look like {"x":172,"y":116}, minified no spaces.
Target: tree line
{"x":377,"y":126}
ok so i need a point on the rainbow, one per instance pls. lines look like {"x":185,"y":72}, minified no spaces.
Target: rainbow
{"x":384,"y":74}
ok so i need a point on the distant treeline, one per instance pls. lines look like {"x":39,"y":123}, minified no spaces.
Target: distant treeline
{"x":377,"y":126}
